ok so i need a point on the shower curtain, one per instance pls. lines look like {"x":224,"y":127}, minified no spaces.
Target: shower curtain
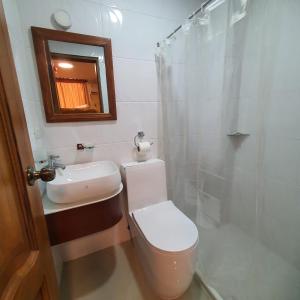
{"x":230,"y":123}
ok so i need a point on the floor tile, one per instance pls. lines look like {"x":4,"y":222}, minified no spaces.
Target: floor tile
{"x":113,"y":274}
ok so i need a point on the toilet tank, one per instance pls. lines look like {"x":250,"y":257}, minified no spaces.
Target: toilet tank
{"x":145,"y":183}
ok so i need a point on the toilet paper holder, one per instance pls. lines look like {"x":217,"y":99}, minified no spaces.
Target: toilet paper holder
{"x":139,"y":135}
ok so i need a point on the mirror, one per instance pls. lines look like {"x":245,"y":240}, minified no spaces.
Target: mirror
{"x":76,"y":76}
{"x":80,"y":77}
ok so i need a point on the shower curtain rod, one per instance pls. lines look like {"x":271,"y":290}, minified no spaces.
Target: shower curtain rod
{"x":203,"y":5}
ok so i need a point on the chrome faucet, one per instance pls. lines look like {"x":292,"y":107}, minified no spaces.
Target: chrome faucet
{"x":53,"y":164}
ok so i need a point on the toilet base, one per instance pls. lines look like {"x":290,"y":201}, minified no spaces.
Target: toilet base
{"x":168,"y":273}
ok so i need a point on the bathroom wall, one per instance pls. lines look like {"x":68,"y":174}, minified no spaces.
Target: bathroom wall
{"x":265,"y":201}
{"x":134,"y":27}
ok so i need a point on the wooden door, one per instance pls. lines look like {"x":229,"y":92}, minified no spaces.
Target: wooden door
{"x":26,"y":266}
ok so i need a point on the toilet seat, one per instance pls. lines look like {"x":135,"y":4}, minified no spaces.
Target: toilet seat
{"x":165,"y":227}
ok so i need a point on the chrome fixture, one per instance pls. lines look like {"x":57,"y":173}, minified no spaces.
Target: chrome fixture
{"x":201,"y":9}
{"x":85,"y":146}
{"x":53,"y":164}
{"x":238,"y":133}
{"x":45,"y":174}
{"x":139,"y":135}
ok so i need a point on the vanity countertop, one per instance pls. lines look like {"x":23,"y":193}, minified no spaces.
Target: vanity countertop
{"x":51,"y":207}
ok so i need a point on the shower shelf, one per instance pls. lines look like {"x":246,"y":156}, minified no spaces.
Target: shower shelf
{"x":238,"y":133}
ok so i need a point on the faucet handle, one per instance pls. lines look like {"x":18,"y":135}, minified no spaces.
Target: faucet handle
{"x":53,"y":157}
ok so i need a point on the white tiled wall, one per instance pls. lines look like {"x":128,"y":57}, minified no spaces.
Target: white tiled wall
{"x":267,"y":165}
{"x":138,"y":26}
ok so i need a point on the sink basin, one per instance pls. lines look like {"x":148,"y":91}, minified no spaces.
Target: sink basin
{"x":95,"y":180}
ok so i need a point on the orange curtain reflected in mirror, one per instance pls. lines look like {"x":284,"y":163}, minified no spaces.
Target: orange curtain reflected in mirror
{"x":72,"y":94}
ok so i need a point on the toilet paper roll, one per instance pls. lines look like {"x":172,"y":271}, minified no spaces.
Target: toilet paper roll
{"x":144,"y":147}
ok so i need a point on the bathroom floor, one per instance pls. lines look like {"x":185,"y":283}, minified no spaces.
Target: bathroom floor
{"x":240,"y":267}
{"x":113,"y":274}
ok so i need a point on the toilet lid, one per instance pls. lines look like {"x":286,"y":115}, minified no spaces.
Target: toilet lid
{"x":166,"y":227}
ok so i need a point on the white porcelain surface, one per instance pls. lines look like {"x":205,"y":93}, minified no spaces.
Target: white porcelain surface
{"x":165,"y":227}
{"x":51,"y":207}
{"x":168,"y":273}
{"x":166,"y":240}
{"x":146,"y":183}
{"x":84,"y":181}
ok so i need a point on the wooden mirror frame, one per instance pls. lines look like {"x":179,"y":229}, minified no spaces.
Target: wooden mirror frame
{"x":41,"y":36}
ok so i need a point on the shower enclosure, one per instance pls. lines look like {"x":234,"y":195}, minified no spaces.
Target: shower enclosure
{"x":230,"y":132}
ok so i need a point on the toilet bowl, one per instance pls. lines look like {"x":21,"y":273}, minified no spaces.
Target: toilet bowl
{"x":165,"y":239}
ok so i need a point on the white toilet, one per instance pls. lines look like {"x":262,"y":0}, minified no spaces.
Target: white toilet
{"x":165,"y":239}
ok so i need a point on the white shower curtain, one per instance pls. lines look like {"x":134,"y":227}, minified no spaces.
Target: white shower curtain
{"x":222,"y":79}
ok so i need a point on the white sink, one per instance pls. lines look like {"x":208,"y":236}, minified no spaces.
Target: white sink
{"x":75,"y":183}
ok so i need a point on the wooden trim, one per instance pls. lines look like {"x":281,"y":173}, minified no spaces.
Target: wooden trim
{"x":77,"y":110}
{"x":23,"y":286}
{"x":70,"y":80}
{"x":73,"y":57}
{"x":41,"y":36}
{"x":80,"y":221}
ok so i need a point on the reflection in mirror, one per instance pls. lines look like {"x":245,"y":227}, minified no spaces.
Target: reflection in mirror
{"x":79,"y":77}
{"x":76,"y":76}
{"x":76,"y":83}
